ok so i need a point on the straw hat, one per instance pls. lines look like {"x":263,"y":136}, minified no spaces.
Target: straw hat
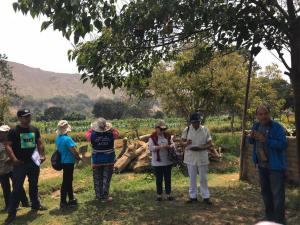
{"x":101,"y":125}
{"x":161,"y":124}
{"x":4,"y":128}
{"x":63,"y":127}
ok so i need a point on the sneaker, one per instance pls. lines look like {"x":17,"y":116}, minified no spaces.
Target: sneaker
{"x":170,"y":198}
{"x":192,"y":200}
{"x":26,"y":204}
{"x":63,"y":205}
{"x":159,"y":198}
{"x":207,"y":201}
{"x":73,"y":202}
{"x":39,"y":208}
{"x":107,"y":200}
{"x":10,"y":218}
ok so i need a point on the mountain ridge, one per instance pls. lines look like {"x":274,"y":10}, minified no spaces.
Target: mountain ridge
{"x":42,"y":84}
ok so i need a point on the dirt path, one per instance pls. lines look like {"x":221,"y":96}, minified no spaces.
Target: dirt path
{"x":49,"y":173}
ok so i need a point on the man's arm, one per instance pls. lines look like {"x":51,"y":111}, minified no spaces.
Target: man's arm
{"x":10,"y":153}
{"x":41,"y":149}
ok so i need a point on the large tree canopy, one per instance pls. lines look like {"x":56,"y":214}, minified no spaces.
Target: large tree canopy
{"x":127,"y":43}
{"x":6,"y":89}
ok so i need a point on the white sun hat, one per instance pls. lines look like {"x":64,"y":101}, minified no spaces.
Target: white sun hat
{"x":63,"y":127}
{"x":101,"y":125}
{"x":4,"y":128}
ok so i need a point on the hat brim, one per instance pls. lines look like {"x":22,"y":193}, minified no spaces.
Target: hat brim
{"x":26,"y":114}
{"x":195,"y":121}
{"x":98,"y":129}
{"x":64,"y":130}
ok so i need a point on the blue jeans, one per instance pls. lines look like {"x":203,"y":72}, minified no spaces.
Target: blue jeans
{"x":273,"y":192}
{"x":20,"y":172}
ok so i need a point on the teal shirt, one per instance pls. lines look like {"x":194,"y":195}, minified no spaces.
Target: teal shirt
{"x":63,"y":145}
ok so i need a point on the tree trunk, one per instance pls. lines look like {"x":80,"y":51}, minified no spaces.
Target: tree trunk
{"x":243,"y":141}
{"x":295,"y":80}
{"x":232,"y":123}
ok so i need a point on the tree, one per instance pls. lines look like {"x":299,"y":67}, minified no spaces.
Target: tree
{"x":54,"y":113}
{"x":109,"y":109}
{"x":132,"y":40}
{"x":262,"y":92}
{"x":204,"y":89}
{"x":74,"y":116}
{"x":283,"y":88}
{"x":6,"y":89}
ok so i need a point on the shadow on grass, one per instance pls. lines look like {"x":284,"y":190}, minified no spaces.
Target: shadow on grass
{"x":232,"y":205}
{"x":27,"y":218}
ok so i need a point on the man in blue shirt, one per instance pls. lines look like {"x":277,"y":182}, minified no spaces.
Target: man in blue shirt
{"x":269,"y":145}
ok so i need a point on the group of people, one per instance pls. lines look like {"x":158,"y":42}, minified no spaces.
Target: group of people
{"x":22,"y":152}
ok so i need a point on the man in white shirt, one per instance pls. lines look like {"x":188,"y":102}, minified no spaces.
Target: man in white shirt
{"x":197,"y":140}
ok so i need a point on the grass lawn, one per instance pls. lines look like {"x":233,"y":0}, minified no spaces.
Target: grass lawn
{"x":235,"y":202}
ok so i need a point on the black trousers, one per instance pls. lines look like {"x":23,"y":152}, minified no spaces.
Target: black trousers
{"x":20,"y":172}
{"x":6,"y":188}
{"x":163,"y":173}
{"x":272,"y":184}
{"x":67,"y":183}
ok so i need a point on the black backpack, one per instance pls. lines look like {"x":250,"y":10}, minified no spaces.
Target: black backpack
{"x":56,"y":160}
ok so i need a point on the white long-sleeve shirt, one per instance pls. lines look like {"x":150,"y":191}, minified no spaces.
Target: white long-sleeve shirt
{"x":164,"y":158}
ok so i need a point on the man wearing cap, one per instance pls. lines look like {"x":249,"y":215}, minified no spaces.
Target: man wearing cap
{"x":197,"y":140}
{"x":6,"y":169}
{"x":22,"y":142}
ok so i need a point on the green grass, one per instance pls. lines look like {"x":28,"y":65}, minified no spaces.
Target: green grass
{"x":235,"y":202}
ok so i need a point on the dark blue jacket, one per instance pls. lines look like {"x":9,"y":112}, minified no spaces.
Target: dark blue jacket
{"x":276,"y":146}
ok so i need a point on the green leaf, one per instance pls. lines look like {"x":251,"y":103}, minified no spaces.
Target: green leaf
{"x":15,"y":6}
{"x":45,"y":25}
{"x":98,"y":24}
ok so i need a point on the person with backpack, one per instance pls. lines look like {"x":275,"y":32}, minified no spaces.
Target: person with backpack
{"x":26,"y":151}
{"x":6,"y":168}
{"x":197,"y":140}
{"x":102,"y":137}
{"x":68,"y":156}
{"x":160,"y":143}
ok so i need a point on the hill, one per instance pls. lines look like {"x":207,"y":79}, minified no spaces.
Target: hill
{"x":41,"y":84}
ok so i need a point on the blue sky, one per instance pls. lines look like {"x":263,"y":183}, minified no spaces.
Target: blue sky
{"x":22,"y":41}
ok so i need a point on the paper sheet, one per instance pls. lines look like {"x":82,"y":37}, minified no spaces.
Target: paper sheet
{"x":36,"y":158}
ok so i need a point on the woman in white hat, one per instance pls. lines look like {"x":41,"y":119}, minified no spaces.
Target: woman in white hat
{"x":102,"y":139}
{"x":67,"y":148}
{"x":6,"y":168}
{"x":160,"y":143}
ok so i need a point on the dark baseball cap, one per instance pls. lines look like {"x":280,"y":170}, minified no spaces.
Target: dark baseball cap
{"x":23,"y":113}
{"x":195,"y":117}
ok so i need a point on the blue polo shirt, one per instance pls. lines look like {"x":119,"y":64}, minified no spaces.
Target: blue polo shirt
{"x":63,"y":144}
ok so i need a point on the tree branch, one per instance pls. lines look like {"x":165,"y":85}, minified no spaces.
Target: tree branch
{"x":283,"y":12}
{"x":291,"y":9}
{"x":277,"y":23}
